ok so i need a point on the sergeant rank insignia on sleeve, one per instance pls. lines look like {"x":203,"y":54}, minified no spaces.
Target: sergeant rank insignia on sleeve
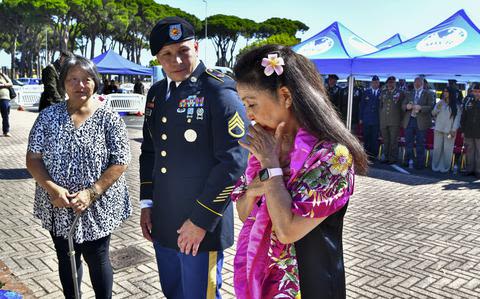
{"x":236,"y":126}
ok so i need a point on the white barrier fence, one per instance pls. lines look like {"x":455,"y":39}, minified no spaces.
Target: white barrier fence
{"x":126,"y":102}
{"x":28,"y":98}
{"x":118,"y":102}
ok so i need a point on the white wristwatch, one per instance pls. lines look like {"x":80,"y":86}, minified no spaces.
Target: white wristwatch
{"x":267,"y":173}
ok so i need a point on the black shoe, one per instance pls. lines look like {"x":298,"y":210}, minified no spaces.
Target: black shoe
{"x":384,"y":161}
{"x":467,"y":173}
{"x":391,"y":162}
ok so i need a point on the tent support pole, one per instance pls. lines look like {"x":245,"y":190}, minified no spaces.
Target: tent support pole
{"x":351,"y":79}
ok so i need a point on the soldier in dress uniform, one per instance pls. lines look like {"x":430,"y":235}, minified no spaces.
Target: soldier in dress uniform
{"x":390,"y":116}
{"x":189,"y":163}
{"x":369,"y":117}
{"x":335,"y":93}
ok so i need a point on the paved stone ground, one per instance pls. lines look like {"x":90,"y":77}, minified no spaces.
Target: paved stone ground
{"x":405,"y":236}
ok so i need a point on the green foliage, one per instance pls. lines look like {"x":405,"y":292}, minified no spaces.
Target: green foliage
{"x":275,"y":26}
{"x":125,"y":24}
{"x":225,"y":30}
{"x":281,"y":39}
{"x":153,"y":62}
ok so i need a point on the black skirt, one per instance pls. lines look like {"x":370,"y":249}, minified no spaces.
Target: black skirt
{"x":320,"y":260}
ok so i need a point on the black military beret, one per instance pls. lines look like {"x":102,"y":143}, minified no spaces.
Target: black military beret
{"x":333,"y":76}
{"x":475,"y":86}
{"x":168,"y":31}
{"x":375,"y":78}
{"x":391,"y":78}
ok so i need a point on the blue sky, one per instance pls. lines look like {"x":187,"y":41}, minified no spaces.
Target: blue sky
{"x":373,"y":20}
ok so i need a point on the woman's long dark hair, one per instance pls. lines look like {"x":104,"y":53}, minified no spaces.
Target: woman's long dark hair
{"x":452,"y":100}
{"x":311,"y":106}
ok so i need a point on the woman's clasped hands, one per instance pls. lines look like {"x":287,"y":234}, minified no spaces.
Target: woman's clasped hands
{"x":62,"y":198}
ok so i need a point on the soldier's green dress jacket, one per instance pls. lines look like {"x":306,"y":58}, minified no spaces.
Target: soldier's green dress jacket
{"x":190,"y":157}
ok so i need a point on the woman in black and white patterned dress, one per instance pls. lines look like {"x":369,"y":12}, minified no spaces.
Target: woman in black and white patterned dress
{"x":77,"y":153}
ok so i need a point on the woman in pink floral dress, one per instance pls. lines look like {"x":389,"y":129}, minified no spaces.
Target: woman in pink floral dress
{"x":300,"y":175}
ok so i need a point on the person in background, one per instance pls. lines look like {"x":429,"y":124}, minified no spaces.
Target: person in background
{"x":335,"y":93}
{"x":5,"y":84}
{"x":452,"y":84}
{"x":390,"y":116}
{"x":417,"y":105}
{"x":402,"y":85}
{"x":369,"y":117}
{"x":52,"y":92}
{"x":103,"y":88}
{"x":138,"y":87}
{"x":190,"y":160}
{"x":470,"y":124}
{"x":78,"y":151}
{"x":294,"y":194}
{"x":113,"y":87}
{"x":357,"y":96}
{"x":447,"y":113}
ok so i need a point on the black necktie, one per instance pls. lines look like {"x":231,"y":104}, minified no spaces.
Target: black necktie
{"x":171,"y":88}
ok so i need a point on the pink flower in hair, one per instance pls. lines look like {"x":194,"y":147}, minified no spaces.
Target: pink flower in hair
{"x":273,"y":64}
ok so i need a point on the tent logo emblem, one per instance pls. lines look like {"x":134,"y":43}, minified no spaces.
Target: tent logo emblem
{"x":443,"y":39}
{"x":315,"y":47}
{"x":361,"y":45}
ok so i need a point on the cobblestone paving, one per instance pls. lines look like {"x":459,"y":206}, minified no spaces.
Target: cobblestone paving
{"x":405,"y":236}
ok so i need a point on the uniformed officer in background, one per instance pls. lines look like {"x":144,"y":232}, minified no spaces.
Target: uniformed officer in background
{"x":334,"y":92}
{"x":390,"y":116}
{"x":343,"y":105}
{"x":189,"y":163}
{"x":369,"y":117}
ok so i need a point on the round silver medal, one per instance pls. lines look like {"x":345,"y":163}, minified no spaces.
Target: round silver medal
{"x":190,"y":135}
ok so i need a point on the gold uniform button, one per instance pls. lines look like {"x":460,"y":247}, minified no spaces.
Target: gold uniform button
{"x":163,"y":170}
{"x":164,"y":119}
{"x":163,"y":153}
{"x":164,"y":136}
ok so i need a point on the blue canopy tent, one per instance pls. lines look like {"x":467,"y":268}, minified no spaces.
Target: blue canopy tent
{"x":450,"y":50}
{"x":333,"y":48}
{"x":390,"y":42}
{"x":112,"y":63}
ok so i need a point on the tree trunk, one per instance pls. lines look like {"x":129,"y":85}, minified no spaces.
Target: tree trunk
{"x":85,"y":47}
{"x":92,"y":48}
{"x":120,"y":48}
{"x":139,"y":50}
{"x":12,"y":57}
{"x":64,"y":40}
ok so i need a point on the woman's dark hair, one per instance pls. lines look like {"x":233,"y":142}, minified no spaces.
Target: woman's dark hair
{"x":310,"y":103}
{"x":452,"y":100}
{"x":86,"y":64}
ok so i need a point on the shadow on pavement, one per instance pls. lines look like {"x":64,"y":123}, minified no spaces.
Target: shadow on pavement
{"x":14,"y":174}
{"x":462,"y":186}
{"x":421,"y":177}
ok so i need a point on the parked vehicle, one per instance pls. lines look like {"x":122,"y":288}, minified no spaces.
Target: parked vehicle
{"x":226,"y":70}
{"x":30,"y":81}
{"x":16,"y":82}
